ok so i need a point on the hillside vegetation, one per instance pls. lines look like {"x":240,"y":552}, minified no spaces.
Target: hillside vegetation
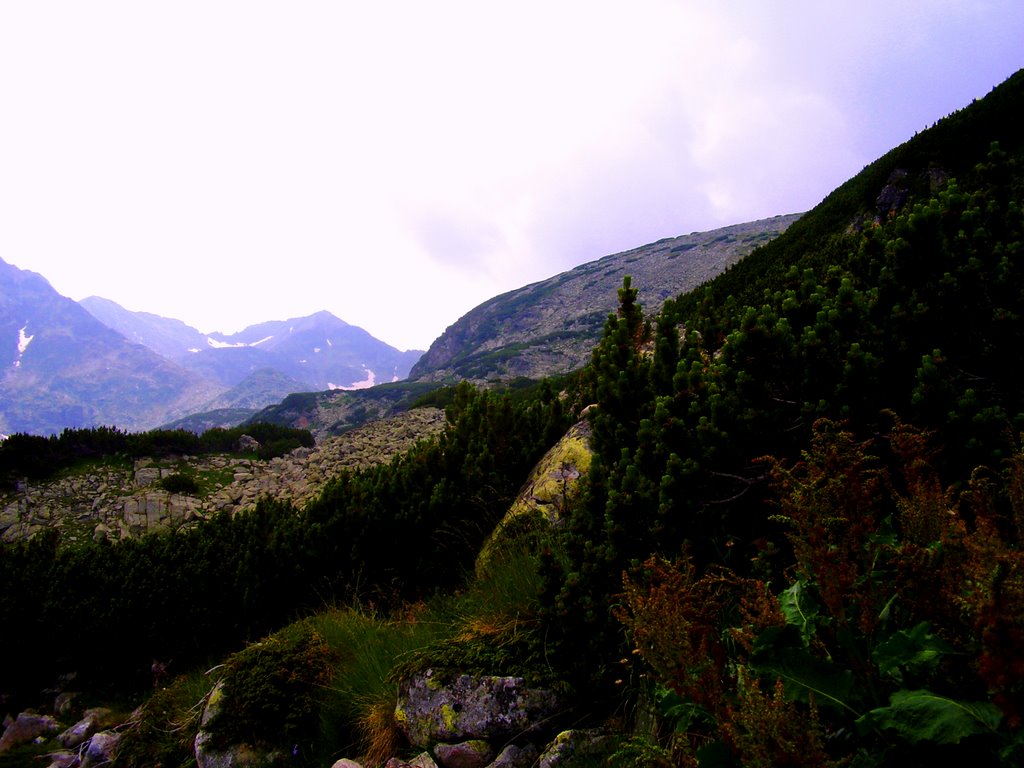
{"x":799,"y":541}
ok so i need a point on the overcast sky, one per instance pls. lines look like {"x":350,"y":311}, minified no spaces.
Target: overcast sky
{"x":226,"y":162}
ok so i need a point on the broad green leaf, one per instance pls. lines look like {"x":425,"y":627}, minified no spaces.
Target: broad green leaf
{"x":925,"y":716}
{"x":914,"y":650}
{"x":779,"y":653}
{"x":680,"y":713}
{"x":800,"y":610}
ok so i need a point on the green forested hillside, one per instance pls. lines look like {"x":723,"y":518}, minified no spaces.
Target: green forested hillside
{"x":397,"y":533}
{"x":806,"y":507}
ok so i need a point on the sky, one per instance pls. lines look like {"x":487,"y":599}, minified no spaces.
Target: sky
{"x":228,"y":162}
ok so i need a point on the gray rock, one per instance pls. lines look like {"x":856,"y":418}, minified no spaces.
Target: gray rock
{"x":475,"y":753}
{"x":420,"y":761}
{"x":430,"y":710}
{"x":516,"y":757}
{"x":234,"y":756}
{"x":247,"y":444}
{"x":26,"y":728}
{"x":575,"y":748}
{"x":346,"y":763}
{"x":64,"y":759}
{"x":102,"y":748}
{"x":146,"y":476}
{"x":92,"y":720}
{"x":64,"y":701}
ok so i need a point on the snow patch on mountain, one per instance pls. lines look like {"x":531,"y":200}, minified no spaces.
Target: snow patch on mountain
{"x":228,"y":345}
{"x":23,"y":341}
{"x":366,"y":383}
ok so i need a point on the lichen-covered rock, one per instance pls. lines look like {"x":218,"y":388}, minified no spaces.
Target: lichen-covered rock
{"x":549,"y":488}
{"x":575,"y":749}
{"x":432,"y":710}
{"x":475,"y":753}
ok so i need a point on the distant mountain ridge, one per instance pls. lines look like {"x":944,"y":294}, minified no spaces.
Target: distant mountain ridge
{"x":550,"y":327}
{"x":319,"y":351}
{"x":64,"y":368}
{"x":71,"y":365}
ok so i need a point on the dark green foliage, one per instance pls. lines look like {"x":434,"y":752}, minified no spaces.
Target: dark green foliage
{"x":272,"y":692}
{"x":36,"y":458}
{"x":178,"y":483}
{"x":844,"y":317}
{"x":390,"y":533}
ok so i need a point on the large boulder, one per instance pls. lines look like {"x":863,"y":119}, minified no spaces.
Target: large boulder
{"x":432,"y":710}
{"x":547,"y":491}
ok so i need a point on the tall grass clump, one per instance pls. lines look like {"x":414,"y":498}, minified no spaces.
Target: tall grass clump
{"x":358,"y":713}
{"x":485,"y":628}
{"x":328,"y":684}
{"x":163,"y":730}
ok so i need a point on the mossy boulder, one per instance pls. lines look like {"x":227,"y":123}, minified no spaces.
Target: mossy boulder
{"x":548,"y":490}
{"x":432,"y":710}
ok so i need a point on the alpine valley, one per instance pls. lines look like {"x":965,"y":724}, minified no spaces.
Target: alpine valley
{"x":775,"y":519}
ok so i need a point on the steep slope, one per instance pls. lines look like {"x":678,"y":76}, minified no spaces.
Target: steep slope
{"x":915,"y":169}
{"x":165,"y":336}
{"x":63,"y":368}
{"x":550,"y":327}
{"x":335,"y":412}
{"x":836,"y":437}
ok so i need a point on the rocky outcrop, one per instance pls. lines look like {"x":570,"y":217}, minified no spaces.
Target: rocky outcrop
{"x":546,"y":493}
{"x":477,"y":721}
{"x":122,"y":502}
{"x":486,"y":708}
{"x":84,"y":744}
{"x":576,"y":747}
{"x":550,"y":327}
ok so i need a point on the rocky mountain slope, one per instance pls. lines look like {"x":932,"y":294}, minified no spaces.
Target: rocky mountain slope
{"x":543,"y":329}
{"x":550,"y":327}
{"x":66,"y":367}
{"x":122,"y":500}
{"x":63,"y":368}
